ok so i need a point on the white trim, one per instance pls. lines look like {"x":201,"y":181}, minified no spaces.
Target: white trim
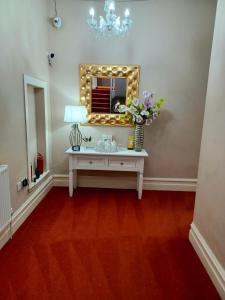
{"x":26,"y":209}
{"x":61,"y":180}
{"x":97,"y":181}
{"x":208,"y":259}
{"x":4,"y":235}
{"x":125,"y":182}
{"x":33,"y":185}
{"x":170,"y":184}
{"x":36,"y":83}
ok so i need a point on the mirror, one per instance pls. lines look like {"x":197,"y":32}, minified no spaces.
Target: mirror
{"x":106,"y":93}
{"x":102,"y":87}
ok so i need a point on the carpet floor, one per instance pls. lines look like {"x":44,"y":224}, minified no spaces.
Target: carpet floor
{"x":104,"y":245}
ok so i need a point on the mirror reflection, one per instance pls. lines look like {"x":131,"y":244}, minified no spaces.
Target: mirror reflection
{"x":106,"y":93}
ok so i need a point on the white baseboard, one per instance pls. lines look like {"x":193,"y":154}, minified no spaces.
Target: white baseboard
{"x":4,"y":236}
{"x":125,"y":182}
{"x":26,"y":209}
{"x":208,"y":259}
{"x":170,"y":184}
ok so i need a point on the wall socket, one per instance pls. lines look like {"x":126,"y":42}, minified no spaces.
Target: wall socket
{"x":22,"y":184}
{"x":19,"y":186}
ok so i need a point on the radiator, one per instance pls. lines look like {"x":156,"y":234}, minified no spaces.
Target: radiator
{"x":5,"y":205}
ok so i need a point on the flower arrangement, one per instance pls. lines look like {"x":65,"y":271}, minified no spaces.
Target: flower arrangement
{"x":143,"y":111}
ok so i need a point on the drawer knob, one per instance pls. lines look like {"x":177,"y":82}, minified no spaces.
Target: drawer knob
{"x":90,"y":162}
{"x":121,"y":163}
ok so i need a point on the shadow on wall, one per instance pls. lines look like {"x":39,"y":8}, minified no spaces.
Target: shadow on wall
{"x":159,"y":126}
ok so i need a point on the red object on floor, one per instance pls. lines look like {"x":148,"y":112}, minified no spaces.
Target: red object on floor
{"x":105,"y":245}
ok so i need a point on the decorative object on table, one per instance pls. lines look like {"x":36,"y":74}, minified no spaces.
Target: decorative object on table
{"x":143,"y":111}
{"x":106,"y":144}
{"x":139,"y":137}
{"x":130,"y":140}
{"x":114,"y":146}
{"x":110,"y":24}
{"x":107,"y":137}
{"x":76,"y":115}
{"x":100,"y":146}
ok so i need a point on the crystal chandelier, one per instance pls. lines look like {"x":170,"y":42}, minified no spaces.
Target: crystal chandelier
{"x":111,"y":23}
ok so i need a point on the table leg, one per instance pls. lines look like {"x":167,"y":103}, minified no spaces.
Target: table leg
{"x":137,"y":181}
{"x":75,"y":178}
{"x":140,"y":186}
{"x":71,"y":183}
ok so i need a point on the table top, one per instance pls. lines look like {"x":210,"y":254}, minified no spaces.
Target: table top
{"x":121,"y":152}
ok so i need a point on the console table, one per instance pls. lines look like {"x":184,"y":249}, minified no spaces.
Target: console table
{"x":90,"y":159}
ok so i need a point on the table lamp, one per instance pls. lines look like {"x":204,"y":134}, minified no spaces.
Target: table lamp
{"x":76,"y":115}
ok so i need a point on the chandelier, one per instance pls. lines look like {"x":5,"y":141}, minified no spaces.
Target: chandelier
{"x":111,"y":23}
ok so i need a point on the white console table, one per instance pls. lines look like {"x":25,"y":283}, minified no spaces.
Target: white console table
{"x":122,"y":160}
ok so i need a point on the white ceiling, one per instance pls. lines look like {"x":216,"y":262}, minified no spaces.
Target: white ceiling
{"x":116,"y":0}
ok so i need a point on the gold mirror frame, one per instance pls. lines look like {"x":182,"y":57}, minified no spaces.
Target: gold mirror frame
{"x":87,"y":71}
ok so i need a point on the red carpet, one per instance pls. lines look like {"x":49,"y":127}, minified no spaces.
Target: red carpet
{"x":104,"y":245}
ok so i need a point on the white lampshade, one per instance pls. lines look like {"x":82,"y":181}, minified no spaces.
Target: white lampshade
{"x":75,"y":114}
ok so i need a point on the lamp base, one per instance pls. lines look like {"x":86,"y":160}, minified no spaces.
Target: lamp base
{"x":76,"y":148}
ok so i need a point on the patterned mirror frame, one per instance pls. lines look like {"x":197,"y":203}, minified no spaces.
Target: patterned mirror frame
{"x":87,"y":71}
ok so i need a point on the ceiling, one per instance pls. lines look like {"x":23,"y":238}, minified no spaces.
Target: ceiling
{"x":116,"y":0}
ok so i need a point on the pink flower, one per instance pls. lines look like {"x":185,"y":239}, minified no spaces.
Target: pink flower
{"x":139,"y":120}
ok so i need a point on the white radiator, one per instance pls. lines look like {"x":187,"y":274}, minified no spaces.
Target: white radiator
{"x":5,"y":205}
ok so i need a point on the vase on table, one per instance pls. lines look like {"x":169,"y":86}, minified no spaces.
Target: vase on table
{"x":138,"y":137}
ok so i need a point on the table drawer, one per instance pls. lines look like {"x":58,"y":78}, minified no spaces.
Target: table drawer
{"x":122,"y":163}
{"x":90,"y":162}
